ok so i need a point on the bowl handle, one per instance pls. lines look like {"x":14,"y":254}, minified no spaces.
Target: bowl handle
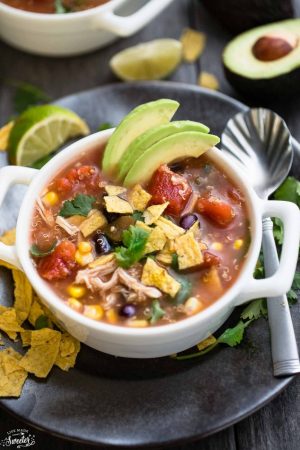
{"x":280,"y":282}
{"x":9,"y":176}
{"x":126,"y":26}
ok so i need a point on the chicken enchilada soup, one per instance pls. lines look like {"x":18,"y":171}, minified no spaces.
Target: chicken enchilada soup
{"x":142,"y":248}
{"x":53,"y":6}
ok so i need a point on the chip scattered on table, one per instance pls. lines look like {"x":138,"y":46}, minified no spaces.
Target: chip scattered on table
{"x":208,"y":80}
{"x":41,"y":356}
{"x":12,"y":375}
{"x":9,"y":322}
{"x":193,"y":44}
{"x":23,"y":295}
{"x":68,"y":351}
{"x":206,"y":343}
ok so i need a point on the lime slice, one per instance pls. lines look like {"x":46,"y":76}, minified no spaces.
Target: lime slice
{"x":152,"y":60}
{"x":40,"y":130}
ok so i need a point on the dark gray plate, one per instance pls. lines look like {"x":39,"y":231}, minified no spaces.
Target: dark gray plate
{"x":115,"y":401}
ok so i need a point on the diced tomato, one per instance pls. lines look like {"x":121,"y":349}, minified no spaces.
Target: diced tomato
{"x":209,"y":259}
{"x":168,"y":186}
{"x":86,"y":175}
{"x":63,"y":184}
{"x":60,"y":263}
{"x":217,"y":210}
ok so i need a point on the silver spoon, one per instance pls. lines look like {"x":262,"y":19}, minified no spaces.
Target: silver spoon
{"x":261,"y":144}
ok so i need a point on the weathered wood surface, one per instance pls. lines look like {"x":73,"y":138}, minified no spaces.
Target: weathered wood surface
{"x":274,"y":427}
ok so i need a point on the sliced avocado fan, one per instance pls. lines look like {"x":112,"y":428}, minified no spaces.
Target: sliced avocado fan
{"x":172,"y":148}
{"x":150,"y":137}
{"x":138,"y":121}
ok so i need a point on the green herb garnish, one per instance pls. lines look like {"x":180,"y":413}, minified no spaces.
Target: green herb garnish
{"x":134,"y":240}
{"x":42,"y":322}
{"x":38,"y":253}
{"x":105,"y":126}
{"x":59,"y":7}
{"x":81,"y":205}
{"x":27,"y":95}
{"x":289,"y":191}
{"x":174,"y":262}
{"x":184,"y":292}
{"x":138,"y":215}
{"x":156,"y":312}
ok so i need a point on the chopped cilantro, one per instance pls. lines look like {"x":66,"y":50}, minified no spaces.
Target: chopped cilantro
{"x":138,"y":215}
{"x":81,"y":205}
{"x":255,"y":309}
{"x":104,"y":126}
{"x":174,"y":263}
{"x":134,"y":240}
{"x":38,"y":253}
{"x":278,"y":230}
{"x":59,"y":7}
{"x":233,"y":336}
{"x":156,"y":312}
{"x":184,"y":292}
{"x":289,"y":191}
{"x":41,"y":322}
{"x":27,"y":95}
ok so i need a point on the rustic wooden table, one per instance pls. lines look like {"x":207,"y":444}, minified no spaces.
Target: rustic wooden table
{"x":276,"y":426}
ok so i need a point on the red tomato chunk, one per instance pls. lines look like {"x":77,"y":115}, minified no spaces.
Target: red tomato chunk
{"x":168,"y":186}
{"x":60,"y":263}
{"x":209,"y":260}
{"x":86,"y":175}
{"x":218,"y":211}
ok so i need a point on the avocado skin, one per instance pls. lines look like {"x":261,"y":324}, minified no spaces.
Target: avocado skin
{"x":241,"y":15}
{"x":281,"y":87}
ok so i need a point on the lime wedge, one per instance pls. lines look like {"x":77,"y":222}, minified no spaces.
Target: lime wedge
{"x":152,"y":60}
{"x":40,"y":130}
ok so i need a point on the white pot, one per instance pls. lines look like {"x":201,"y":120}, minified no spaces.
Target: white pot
{"x":73,"y":33}
{"x":167,"y":339}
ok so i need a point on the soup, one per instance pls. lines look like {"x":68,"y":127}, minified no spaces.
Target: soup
{"x":52,"y":7}
{"x":148,"y":255}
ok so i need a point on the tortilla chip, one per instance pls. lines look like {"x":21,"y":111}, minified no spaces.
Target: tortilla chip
{"x":114,"y":190}
{"x":103,"y":259}
{"x":26,"y":337}
{"x":43,"y":352}
{"x":115,"y":204}
{"x":156,"y":240}
{"x":139,"y":198}
{"x":170,"y":229}
{"x":155,"y":275}
{"x":208,"y":80}
{"x":12,"y":375}
{"x":188,"y":251}
{"x":212,"y":280}
{"x":95,"y":221}
{"x":195,"y":229}
{"x":4,"y":135}
{"x":9,"y":237}
{"x":35,"y":311}
{"x":193,"y":44}
{"x":23,"y":295}
{"x":206,"y":343}
{"x":1,"y":342}
{"x":68,"y":351}
{"x":9,"y":322}
{"x":153,"y":212}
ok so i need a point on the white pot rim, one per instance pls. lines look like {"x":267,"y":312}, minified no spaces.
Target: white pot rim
{"x":64,"y":158}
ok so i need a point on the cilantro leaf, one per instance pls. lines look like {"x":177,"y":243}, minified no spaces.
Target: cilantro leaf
{"x":184,"y":292}
{"x":59,"y":7}
{"x":41,"y":322}
{"x":292,"y":297}
{"x":233,"y":336}
{"x":174,"y":263}
{"x":134,"y":240}
{"x":296,"y":281}
{"x":255,"y":310}
{"x":289,"y":191}
{"x":156,"y":312}
{"x":38,"y":253}
{"x":27,"y":95}
{"x":81,"y":205}
{"x":138,"y":215}
{"x":278,"y":230}
{"x":104,"y":126}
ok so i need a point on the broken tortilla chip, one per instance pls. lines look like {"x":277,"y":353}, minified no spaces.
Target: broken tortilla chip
{"x":68,"y":351}
{"x":41,"y":356}
{"x":9,"y":322}
{"x":206,"y":343}
{"x":12,"y":375}
{"x":23,"y":295}
{"x":208,"y":80}
{"x":193,"y":44}
{"x":9,"y":237}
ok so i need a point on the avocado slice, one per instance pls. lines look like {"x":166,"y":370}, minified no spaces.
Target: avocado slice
{"x":172,"y":148}
{"x":150,"y":137}
{"x":139,"y":120}
{"x":265,"y":61}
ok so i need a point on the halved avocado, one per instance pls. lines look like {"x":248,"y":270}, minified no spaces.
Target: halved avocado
{"x":150,"y":137}
{"x":265,"y":61}
{"x":134,"y":124}
{"x":172,"y":148}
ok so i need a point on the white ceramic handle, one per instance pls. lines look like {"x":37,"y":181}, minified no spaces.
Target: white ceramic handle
{"x":126,"y":26}
{"x":9,"y":176}
{"x":280,"y":282}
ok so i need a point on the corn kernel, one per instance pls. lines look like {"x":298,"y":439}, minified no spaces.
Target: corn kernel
{"x":76,"y":291}
{"x":51,"y":198}
{"x":93,"y":312}
{"x":138,"y":323}
{"x":75,"y":304}
{"x":238,"y":243}
{"x":111,"y":316}
{"x":218,"y":246}
{"x":192,"y":306}
{"x":83,"y":259}
{"x":84,"y":247}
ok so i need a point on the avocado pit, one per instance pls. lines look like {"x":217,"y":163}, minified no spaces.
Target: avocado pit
{"x":274,"y":46}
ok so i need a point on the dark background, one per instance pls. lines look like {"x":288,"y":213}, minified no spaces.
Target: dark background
{"x":276,"y":426}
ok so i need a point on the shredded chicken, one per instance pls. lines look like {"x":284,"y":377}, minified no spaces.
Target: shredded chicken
{"x":46,"y":214}
{"x":68,"y":227}
{"x":91,"y":277}
{"x":135,"y":285}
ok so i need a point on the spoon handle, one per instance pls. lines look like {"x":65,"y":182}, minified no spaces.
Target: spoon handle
{"x":283,"y":341}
